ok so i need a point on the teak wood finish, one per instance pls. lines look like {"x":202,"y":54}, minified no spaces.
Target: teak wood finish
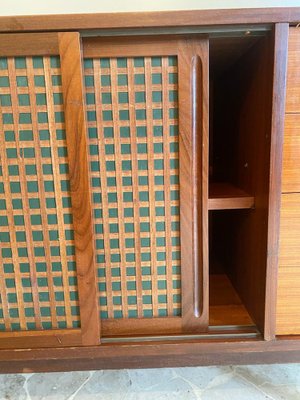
{"x":253,"y":141}
{"x":72,"y":83}
{"x":192,"y":55}
{"x":257,"y":196}
{"x":156,"y":19}
{"x":289,"y":235}
{"x":223,"y":196}
{"x":293,"y":75}
{"x":288,"y":312}
{"x":67,"y":46}
{"x":291,"y":151}
{"x":279,"y":65}
{"x":152,"y":355}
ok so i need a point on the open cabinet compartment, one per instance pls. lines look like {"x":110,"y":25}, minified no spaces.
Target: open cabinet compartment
{"x":239,"y":165}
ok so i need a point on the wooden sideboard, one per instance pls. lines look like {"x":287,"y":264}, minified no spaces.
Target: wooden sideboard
{"x":149,"y":189}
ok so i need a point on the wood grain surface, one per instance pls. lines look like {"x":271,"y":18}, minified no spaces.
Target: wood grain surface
{"x":279,"y":56}
{"x":288,"y":298}
{"x":291,"y":151}
{"x":289,"y":249}
{"x":153,"y":19}
{"x":193,"y":175}
{"x":28,"y":44}
{"x":193,"y":85}
{"x":242,"y":99}
{"x":72,"y":84}
{"x":293,"y":74}
{"x":40,"y":339}
{"x":131,"y":46}
{"x":153,"y":355}
{"x":224,"y":196}
{"x":37,"y":329}
{"x":288,"y":309}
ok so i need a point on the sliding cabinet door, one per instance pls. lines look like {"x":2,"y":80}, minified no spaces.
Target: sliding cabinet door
{"x":47,"y":261}
{"x":103,"y":188}
{"x":146,"y":103}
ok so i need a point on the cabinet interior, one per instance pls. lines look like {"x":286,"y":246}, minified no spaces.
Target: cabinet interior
{"x":239,"y":145}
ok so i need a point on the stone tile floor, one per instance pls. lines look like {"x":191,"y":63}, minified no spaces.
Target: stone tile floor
{"x":259,"y":382}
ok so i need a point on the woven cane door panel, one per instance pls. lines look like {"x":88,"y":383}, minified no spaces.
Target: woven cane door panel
{"x":132,"y":113}
{"x":38,"y":288}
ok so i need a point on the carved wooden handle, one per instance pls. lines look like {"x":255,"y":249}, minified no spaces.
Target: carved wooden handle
{"x":197,"y":112}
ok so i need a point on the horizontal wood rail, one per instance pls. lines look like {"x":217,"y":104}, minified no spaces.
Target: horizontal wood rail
{"x":153,"y":19}
{"x":151,"y":355}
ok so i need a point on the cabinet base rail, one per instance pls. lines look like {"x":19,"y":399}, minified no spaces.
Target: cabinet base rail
{"x":149,"y":355}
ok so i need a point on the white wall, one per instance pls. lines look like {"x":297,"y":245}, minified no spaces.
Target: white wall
{"x":29,"y":7}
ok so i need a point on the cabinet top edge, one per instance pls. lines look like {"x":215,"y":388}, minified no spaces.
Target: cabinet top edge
{"x":149,"y":19}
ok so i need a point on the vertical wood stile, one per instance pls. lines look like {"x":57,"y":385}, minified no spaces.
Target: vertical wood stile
{"x":72,"y":85}
{"x":135,"y":188}
{"x":193,"y":150}
{"x":24,"y":192}
{"x":280,"y":54}
{"x":197,"y":161}
{"x":104,"y":191}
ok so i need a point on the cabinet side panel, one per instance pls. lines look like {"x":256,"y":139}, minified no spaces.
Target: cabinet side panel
{"x":291,"y":151}
{"x":290,"y":230}
{"x":288,"y":309}
{"x":288,"y":298}
{"x":293,"y":75}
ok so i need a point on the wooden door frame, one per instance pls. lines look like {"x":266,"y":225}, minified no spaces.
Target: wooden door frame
{"x":192,"y":53}
{"x":67,"y":46}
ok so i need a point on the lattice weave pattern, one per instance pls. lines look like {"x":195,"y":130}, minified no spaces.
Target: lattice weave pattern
{"x":132,"y":112}
{"x":38,"y":287}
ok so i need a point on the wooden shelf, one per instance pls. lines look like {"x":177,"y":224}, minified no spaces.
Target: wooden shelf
{"x":225,"y":306}
{"x":224,"y":196}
